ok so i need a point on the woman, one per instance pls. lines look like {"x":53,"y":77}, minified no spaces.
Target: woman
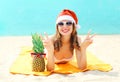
{"x":60,"y":47}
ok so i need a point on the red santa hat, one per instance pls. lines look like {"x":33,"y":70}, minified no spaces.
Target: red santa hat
{"x":68,"y":15}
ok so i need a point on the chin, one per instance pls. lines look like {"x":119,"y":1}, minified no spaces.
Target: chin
{"x":66,"y":34}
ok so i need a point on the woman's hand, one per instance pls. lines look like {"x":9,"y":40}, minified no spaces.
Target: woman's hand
{"x":88,"y":40}
{"x":47,"y":42}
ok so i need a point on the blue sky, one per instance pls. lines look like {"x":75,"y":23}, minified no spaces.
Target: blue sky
{"x":21,"y":17}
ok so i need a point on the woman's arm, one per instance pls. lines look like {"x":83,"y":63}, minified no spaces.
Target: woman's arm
{"x":50,"y":60}
{"x":48,"y":44}
{"x":81,"y":59}
{"x":81,"y":54}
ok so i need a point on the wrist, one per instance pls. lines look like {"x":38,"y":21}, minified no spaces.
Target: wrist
{"x":83,"y":48}
{"x":50,"y":51}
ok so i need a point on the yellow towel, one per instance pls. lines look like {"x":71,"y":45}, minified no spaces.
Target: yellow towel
{"x":23,"y":65}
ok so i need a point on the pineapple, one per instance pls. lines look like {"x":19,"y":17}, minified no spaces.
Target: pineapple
{"x":38,"y":64}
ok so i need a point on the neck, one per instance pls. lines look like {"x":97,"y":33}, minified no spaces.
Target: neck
{"x":65,"y":39}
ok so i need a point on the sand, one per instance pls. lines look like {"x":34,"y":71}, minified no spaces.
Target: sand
{"x":105,"y":47}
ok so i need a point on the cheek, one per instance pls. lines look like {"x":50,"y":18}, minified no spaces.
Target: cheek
{"x":58,"y":29}
{"x":71,"y":29}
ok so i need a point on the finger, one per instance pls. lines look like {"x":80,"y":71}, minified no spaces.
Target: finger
{"x":46,"y":35}
{"x":93,"y":35}
{"x":88,"y":33}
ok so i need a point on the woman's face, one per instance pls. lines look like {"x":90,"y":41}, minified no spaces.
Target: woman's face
{"x":65,"y":27}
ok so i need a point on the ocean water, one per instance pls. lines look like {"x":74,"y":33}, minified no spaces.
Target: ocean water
{"x":24,"y":17}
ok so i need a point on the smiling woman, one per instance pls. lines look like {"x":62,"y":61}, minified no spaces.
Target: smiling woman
{"x":62,"y":45}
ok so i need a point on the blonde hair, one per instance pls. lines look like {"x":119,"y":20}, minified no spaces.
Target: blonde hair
{"x":73,"y":40}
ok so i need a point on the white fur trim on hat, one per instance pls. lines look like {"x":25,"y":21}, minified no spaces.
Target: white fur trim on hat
{"x":65,"y":17}
{"x":78,"y":26}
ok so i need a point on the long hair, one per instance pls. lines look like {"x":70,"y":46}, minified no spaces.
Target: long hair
{"x":73,"y":40}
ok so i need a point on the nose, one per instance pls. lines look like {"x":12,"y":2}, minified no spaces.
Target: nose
{"x":64,"y":25}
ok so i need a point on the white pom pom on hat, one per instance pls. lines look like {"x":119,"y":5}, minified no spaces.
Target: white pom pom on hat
{"x":67,"y":14}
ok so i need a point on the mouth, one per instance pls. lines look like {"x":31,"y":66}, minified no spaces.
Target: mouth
{"x":65,"y":30}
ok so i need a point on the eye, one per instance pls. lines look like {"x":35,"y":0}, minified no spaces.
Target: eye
{"x":60,"y":23}
{"x":68,"y":23}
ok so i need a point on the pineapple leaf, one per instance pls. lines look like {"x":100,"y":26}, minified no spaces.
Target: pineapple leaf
{"x":37,"y":43}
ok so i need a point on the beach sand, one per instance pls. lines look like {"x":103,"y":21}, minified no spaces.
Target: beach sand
{"x":105,"y":47}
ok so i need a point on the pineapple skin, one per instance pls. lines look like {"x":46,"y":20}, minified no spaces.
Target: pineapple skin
{"x":38,"y":64}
